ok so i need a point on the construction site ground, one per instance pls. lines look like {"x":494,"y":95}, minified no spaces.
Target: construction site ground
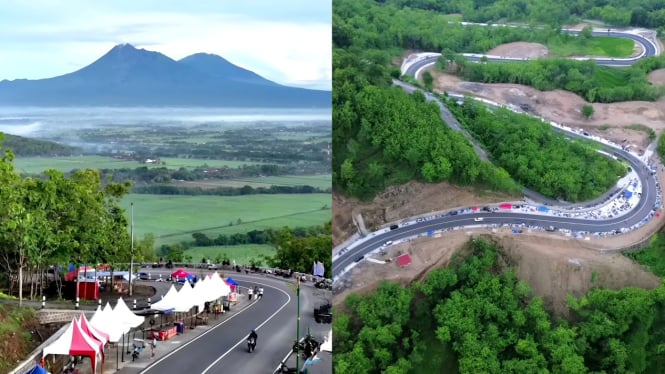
{"x":554,"y":265}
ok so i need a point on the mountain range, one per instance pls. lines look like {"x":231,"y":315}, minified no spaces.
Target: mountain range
{"x":127,"y":76}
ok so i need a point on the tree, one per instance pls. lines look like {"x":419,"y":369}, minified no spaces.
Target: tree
{"x":428,"y":80}
{"x":587,"y":111}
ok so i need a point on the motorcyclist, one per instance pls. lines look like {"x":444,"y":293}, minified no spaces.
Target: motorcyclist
{"x":253,"y":335}
{"x":260,"y":292}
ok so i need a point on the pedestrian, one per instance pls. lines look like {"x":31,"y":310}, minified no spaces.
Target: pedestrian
{"x":249,"y":292}
{"x":153,"y":345}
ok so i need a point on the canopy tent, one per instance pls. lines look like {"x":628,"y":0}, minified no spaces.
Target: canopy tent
{"x":628,"y":194}
{"x":327,"y":345}
{"x":475,"y":209}
{"x":185,"y":300}
{"x":543,"y":208}
{"x":122,"y":313}
{"x":101,"y":322}
{"x":201,"y":292}
{"x":217,"y":287}
{"x":168,"y":300}
{"x":38,"y":370}
{"x":98,"y":334}
{"x":74,"y":342}
{"x":233,"y":284}
{"x":318,"y":269}
{"x":506,"y":206}
{"x":182,"y":275}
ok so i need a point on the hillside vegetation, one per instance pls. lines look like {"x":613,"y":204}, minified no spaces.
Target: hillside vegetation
{"x":477,"y":317}
{"x":644,"y":13}
{"x":537,"y":156}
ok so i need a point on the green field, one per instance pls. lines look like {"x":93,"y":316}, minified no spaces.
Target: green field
{"x":323,"y":181}
{"x":596,"y":46}
{"x":174,"y":218}
{"x":39,"y":164}
{"x":242,"y":254}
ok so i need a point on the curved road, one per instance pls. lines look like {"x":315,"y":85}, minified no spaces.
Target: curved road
{"x":644,"y":209}
{"x":223,"y":348}
{"x":648,"y":48}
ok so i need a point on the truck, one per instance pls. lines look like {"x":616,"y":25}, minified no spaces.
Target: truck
{"x":323,"y":314}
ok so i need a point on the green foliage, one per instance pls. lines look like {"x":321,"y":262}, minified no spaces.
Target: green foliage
{"x":649,"y":13}
{"x":587,"y":111}
{"x":661,"y":146}
{"x":653,"y":255}
{"x":493,"y":324}
{"x":300,"y":253}
{"x":538,"y":157}
{"x":593,"y":82}
{"x":21,"y":146}
{"x":595,"y":46}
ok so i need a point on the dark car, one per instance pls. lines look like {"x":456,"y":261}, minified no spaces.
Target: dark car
{"x":359,"y":258}
{"x":143,"y":276}
{"x":324,"y":283}
{"x":394,"y":227}
{"x":323,"y":314}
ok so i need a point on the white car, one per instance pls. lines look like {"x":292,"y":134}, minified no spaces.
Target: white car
{"x":479,"y":219}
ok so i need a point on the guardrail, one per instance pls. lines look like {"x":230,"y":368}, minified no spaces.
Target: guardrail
{"x":33,"y":359}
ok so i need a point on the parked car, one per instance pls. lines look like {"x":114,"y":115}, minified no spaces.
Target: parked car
{"x":323,"y":314}
{"x":143,"y":276}
{"x":359,"y":258}
{"x":478,"y":219}
{"x":324,"y":283}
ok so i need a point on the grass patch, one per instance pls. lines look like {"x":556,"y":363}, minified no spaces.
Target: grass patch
{"x":604,"y":127}
{"x":4,"y":296}
{"x":597,"y":46}
{"x":39,"y":164}
{"x":242,"y":254}
{"x":653,"y":255}
{"x":611,"y":77}
{"x":174,"y":218}
{"x":15,"y":326}
{"x":643,"y":128}
{"x":452,"y":17}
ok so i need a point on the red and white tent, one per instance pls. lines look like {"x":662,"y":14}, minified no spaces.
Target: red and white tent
{"x":75,"y":342}
{"x":98,"y":335}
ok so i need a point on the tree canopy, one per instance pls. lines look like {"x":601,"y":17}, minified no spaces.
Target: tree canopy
{"x":482,"y":319}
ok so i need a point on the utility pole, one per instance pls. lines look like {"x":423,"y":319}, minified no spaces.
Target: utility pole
{"x":298,"y":325}
{"x":131,"y":261}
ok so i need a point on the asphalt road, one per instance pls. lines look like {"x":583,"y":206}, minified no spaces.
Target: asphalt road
{"x":223,"y":348}
{"x":644,"y":208}
{"x":649,"y":50}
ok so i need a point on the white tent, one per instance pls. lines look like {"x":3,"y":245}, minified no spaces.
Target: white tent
{"x":217,"y":288}
{"x":327,"y":344}
{"x":200,"y":291}
{"x":185,"y":300}
{"x":102,"y":320}
{"x":123,"y":315}
{"x":168,"y":301}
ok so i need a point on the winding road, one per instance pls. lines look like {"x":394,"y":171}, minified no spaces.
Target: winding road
{"x":349,"y":256}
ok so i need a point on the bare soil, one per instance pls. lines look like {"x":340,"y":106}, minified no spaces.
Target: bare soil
{"x":520,"y":50}
{"x":657,"y":77}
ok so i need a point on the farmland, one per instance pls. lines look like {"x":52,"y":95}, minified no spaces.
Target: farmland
{"x":38,"y":164}
{"x":241,"y":254}
{"x":317,"y":181}
{"x":173,"y":219}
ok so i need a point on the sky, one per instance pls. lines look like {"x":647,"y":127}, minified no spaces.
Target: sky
{"x":286,"y":41}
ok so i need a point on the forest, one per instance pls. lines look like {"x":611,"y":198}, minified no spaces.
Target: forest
{"x":538,"y":157}
{"x":644,"y":13}
{"x":477,"y":317}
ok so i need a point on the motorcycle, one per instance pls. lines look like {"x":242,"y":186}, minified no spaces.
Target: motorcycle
{"x":251,"y":344}
{"x":139,"y":344}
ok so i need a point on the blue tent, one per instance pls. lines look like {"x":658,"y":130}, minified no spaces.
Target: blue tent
{"x":38,"y":370}
{"x":628,"y":194}
{"x":230,"y":281}
{"x":543,"y":208}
